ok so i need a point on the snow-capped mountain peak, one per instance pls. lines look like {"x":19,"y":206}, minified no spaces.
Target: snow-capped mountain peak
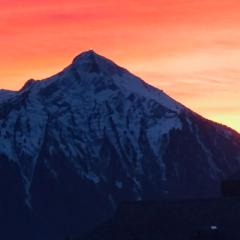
{"x":93,"y":135}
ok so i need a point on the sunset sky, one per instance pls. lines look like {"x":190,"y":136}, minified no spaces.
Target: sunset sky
{"x":188,"y":48}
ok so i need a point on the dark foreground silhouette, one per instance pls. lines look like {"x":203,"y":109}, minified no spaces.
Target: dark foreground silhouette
{"x":206,"y":219}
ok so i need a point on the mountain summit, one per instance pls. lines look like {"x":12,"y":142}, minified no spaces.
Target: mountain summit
{"x":92,"y":58}
{"x":75,"y":145}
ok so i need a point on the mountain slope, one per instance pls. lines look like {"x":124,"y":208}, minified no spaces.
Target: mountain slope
{"x":75,"y":145}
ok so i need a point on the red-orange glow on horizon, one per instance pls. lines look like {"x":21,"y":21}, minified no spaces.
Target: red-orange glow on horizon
{"x":188,"y":48}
